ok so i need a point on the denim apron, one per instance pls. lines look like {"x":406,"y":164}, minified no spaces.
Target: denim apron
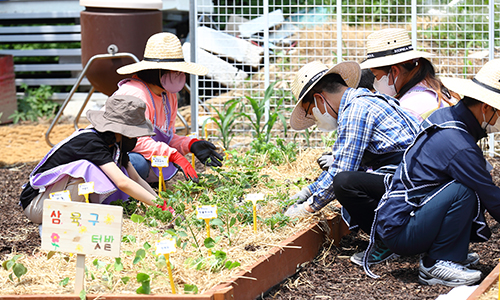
{"x":417,"y":195}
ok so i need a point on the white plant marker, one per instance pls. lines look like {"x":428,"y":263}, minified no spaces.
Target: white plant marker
{"x":207,"y":212}
{"x":85,"y":189}
{"x":166,"y":247}
{"x":160,"y":162}
{"x":254,"y":198}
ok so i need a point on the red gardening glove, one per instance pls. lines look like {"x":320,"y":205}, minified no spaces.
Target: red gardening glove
{"x":164,"y":207}
{"x":181,"y":163}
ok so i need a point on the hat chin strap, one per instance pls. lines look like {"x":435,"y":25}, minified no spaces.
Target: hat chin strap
{"x":164,"y":59}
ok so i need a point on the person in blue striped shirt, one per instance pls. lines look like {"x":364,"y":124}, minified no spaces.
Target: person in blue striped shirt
{"x":372,"y":130}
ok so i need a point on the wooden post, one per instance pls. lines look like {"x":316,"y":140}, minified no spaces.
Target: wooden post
{"x":80,"y":273}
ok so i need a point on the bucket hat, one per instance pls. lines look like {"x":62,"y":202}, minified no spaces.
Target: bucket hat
{"x":163,"y":51}
{"x":306,"y":79}
{"x":388,"y":47}
{"x":485,"y":86}
{"x":122,"y":114}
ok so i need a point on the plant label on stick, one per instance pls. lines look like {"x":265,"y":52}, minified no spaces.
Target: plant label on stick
{"x":85,"y":189}
{"x":159,"y":161}
{"x":254,"y":198}
{"x":60,"y":196}
{"x":206,"y":212}
{"x":165,"y":246}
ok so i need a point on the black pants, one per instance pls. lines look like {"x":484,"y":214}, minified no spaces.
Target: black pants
{"x":359,"y":193}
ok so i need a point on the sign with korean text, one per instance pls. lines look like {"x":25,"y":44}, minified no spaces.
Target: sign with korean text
{"x":206,"y":212}
{"x":82,"y":228}
{"x":165,"y":246}
{"x":159,"y":161}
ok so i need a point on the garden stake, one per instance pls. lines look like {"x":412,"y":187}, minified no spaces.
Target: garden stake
{"x":85,"y":189}
{"x":166,"y":247}
{"x":207,"y":212}
{"x":192,"y":135}
{"x":254,"y":198}
{"x":224,"y":149}
{"x":160,"y":162}
{"x":169,"y":268}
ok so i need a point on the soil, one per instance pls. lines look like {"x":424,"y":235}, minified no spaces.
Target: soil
{"x":330,"y":275}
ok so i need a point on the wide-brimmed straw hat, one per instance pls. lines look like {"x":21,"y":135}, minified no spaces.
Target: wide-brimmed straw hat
{"x":164,"y":51}
{"x":122,"y":114}
{"x":485,"y":86}
{"x":388,"y":47}
{"x":306,"y":79}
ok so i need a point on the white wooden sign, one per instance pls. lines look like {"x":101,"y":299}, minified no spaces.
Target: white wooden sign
{"x":82,"y":228}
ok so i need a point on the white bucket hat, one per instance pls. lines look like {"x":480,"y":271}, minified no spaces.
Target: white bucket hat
{"x":485,"y":86}
{"x":306,"y":79}
{"x":164,"y":51}
{"x":388,"y":47}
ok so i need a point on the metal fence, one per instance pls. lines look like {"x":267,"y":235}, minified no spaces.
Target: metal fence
{"x":248,"y":45}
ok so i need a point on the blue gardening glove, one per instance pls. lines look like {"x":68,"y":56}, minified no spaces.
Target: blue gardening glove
{"x":325,"y":161}
{"x":204,"y":150}
{"x":302,"y":196}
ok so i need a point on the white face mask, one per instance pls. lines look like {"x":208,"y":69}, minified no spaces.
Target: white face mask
{"x":382,"y":86}
{"x":325,"y":122}
{"x":491,"y":128}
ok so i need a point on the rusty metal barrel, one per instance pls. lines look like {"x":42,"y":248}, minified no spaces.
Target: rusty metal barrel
{"x":116,"y":26}
{"x":8,"y":101}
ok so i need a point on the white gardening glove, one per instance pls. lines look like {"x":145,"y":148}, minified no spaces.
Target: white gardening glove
{"x":302,"y":196}
{"x":325,"y":161}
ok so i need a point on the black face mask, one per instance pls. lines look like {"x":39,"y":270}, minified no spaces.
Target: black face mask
{"x":126,"y":145}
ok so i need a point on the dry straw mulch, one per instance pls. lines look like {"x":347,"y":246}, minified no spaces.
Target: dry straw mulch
{"x":44,"y":275}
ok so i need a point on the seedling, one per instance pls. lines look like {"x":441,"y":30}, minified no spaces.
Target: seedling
{"x":18,"y":269}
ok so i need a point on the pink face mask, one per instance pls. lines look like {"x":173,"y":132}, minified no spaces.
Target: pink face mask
{"x":173,"y":81}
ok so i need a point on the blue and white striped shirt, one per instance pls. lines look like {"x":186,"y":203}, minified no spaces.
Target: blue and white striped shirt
{"x":367,"y":121}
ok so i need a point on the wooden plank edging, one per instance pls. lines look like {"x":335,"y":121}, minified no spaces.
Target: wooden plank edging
{"x":272,"y":268}
{"x":485,"y":284}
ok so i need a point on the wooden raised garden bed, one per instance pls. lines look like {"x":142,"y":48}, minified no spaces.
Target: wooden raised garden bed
{"x":491,"y":281}
{"x":278,"y":264}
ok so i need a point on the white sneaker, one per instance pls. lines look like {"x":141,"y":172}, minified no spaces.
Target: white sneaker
{"x":471,"y":260}
{"x":298,"y":211}
{"x":447,"y":273}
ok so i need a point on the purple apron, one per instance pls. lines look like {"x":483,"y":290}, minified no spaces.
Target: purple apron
{"x":161,"y":136}
{"x":105,"y":190}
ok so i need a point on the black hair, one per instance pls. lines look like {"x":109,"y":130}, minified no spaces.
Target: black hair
{"x":470,"y":102}
{"x":150,"y":76}
{"x":367,"y":79}
{"x":331,"y":83}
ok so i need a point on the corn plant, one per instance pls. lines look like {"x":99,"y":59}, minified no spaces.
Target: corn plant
{"x":225,"y":120}
{"x":262,"y":131}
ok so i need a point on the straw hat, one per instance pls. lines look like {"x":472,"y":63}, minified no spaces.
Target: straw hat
{"x":388,"y":47}
{"x":306,"y":79}
{"x":122,"y":114}
{"x":163,"y":51}
{"x":485,"y":86}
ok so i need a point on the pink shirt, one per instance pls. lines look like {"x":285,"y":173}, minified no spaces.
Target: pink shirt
{"x":146,"y":146}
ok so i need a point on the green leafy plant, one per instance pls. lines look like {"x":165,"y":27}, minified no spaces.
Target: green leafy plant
{"x":18,"y":269}
{"x":145,"y":281}
{"x":262,"y":130}
{"x":277,"y":220}
{"x":108,"y":271}
{"x":35,"y":104}
{"x":225,"y":120}
{"x":190,"y":289}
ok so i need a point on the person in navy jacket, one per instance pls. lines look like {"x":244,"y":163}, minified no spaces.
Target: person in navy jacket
{"x":435,"y":204}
